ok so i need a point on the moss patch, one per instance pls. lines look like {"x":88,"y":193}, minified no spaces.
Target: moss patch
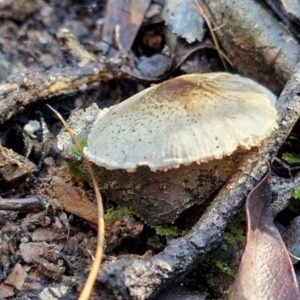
{"x":75,"y":151}
{"x":78,"y":172}
{"x":162,"y":230}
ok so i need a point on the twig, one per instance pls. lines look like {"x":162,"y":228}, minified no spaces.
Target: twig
{"x":87,"y":289}
{"x":23,"y":204}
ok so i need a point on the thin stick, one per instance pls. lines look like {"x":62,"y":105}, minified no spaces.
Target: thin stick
{"x":88,"y":287}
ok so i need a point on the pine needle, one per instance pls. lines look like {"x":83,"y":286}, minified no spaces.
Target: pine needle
{"x":203,"y":11}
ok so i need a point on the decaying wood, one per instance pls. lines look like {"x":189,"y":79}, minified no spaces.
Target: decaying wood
{"x":142,"y":279}
{"x":257,"y":44}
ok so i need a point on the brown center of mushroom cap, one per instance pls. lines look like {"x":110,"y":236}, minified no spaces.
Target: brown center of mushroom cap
{"x":192,"y":118}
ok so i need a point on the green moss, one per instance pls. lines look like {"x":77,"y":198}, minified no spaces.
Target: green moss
{"x":120,"y":211}
{"x":235,"y":233}
{"x":5,"y":64}
{"x":291,"y":158}
{"x":162,"y":230}
{"x":224,"y":268}
{"x":78,"y":172}
{"x":168,"y":230}
{"x":75,"y":151}
{"x":296,"y":193}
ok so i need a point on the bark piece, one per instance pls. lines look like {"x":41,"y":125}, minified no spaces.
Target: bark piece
{"x":30,"y":86}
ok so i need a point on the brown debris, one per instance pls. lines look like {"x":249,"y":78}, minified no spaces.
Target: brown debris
{"x":19,"y":10}
{"x":49,"y":234}
{"x":74,"y":51}
{"x":13,"y":283}
{"x":32,"y":249}
{"x":15,"y":168}
{"x":73,"y":200}
{"x":47,"y":268}
{"x":120,"y":228}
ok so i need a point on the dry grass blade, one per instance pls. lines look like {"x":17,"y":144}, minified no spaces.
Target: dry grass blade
{"x":201,"y":10}
{"x":87,"y":289}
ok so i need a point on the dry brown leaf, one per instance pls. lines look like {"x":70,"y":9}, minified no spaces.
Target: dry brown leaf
{"x":123,"y":20}
{"x":266,"y":271}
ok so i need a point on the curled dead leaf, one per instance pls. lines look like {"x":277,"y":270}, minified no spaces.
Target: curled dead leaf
{"x":266,"y":271}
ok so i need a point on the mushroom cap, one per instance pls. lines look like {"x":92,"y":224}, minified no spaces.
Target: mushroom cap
{"x":191,"y":118}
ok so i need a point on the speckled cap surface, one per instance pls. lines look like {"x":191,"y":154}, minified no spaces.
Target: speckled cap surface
{"x":191,"y":118}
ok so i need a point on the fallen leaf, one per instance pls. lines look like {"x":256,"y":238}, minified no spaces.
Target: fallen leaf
{"x":123,"y":20}
{"x":266,"y":271}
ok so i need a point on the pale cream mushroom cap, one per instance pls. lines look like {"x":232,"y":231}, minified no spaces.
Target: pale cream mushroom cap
{"x":192,"y":118}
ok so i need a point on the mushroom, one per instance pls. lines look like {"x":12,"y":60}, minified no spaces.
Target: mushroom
{"x":174,"y":144}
